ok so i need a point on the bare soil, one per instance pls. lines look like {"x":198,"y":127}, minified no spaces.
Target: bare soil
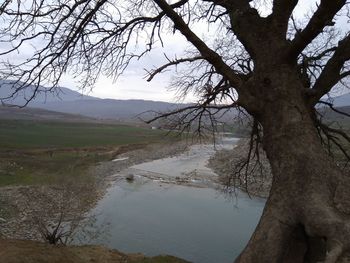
{"x":21,"y":251}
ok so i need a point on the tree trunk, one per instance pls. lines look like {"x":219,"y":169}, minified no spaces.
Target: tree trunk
{"x":306,"y":215}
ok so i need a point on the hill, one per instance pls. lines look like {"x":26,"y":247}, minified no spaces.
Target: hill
{"x":342,"y":101}
{"x":124,"y":110}
{"x":27,"y":113}
{"x":336,"y":118}
{"x":7,"y":88}
{"x":72,"y":102}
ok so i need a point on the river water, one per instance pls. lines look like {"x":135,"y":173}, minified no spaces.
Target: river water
{"x":155,"y":217}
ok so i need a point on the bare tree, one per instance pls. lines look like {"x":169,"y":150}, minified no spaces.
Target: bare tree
{"x":59,"y":214}
{"x":267,"y":61}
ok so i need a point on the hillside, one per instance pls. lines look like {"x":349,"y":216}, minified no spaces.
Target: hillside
{"x":110,"y":108}
{"x":27,"y":113}
{"x":341,"y":101}
{"x":72,"y":102}
{"x":331,"y":116}
{"x":43,"y":96}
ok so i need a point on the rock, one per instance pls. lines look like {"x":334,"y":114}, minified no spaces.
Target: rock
{"x":130,"y":177}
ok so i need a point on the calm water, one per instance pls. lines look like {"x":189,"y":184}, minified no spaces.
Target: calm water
{"x":196,"y":224}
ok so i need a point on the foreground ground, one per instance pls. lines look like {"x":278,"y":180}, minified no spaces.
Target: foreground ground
{"x":19,"y":251}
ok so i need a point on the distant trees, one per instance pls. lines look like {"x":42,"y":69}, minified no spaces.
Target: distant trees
{"x":261,"y":58}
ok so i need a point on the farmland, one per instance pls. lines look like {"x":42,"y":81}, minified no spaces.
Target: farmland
{"x":44,"y":152}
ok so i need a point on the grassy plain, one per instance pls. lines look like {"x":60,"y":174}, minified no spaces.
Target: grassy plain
{"x":24,"y":134}
{"x":40,"y":152}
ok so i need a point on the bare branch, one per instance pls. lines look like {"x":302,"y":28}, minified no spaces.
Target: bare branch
{"x":331,"y":73}
{"x":171,"y":63}
{"x":211,"y":56}
{"x":322,"y":17}
{"x":330,"y":105}
{"x":191,"y":109}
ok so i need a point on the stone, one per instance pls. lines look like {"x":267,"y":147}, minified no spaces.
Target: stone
{"x":130,"y":177}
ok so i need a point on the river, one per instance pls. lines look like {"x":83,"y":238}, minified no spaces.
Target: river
{"x":152,"y":216}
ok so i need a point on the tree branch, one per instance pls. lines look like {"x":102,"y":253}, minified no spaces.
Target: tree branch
{"x":210,"y":55}
{"x":331,"y":73}
{"x":191,"y":108}
{"x":330,"y":105}
{"x":321,"y":18}
{"x":171,"y":63}
{"x":281,"y":12}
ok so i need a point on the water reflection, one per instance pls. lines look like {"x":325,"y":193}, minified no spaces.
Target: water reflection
{"x":197,"y":224}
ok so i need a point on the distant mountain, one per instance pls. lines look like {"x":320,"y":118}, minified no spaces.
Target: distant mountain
{"x":341,"y":101}
{"x":72,"y":102}
{"x":43,"y":96}
{"x":112,"y":109}
{"x":27,"y":113}
{"x":337,"y":119}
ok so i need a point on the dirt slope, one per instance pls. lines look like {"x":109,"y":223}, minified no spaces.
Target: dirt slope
{"x":20,"y":251}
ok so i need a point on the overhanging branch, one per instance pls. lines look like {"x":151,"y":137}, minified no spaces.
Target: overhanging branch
{"x":210,"y":55}
{"x":331,"y":74}
{"x":191,"y":108}
{"x":330,"y":105}
{"x":171,"y":63}
{"x":322,"y":17}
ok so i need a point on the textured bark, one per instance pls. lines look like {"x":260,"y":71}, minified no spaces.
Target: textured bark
{"x":303,"y":220}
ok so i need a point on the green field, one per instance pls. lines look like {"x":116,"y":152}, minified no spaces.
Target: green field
{"x":22,"y":134}
{"x":34,"y":152}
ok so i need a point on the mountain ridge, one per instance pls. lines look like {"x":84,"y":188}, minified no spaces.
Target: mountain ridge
{"x":73,"y":102}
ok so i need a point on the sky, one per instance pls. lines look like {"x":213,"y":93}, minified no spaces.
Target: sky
{"x":133,"y":85}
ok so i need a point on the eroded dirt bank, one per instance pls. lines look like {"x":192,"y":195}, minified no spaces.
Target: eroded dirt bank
{"x":20,"y":251}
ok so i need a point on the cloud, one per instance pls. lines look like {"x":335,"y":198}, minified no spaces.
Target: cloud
{"x":132,"y":83}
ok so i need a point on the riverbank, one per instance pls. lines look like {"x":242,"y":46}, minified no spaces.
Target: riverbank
{"x":25,"y":209}
{"x":142,"y":213}
{"x":257,"y":181}
{"x":126,"y":158}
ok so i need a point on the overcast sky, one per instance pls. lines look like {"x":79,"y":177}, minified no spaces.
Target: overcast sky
{"x":133,"y":85}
